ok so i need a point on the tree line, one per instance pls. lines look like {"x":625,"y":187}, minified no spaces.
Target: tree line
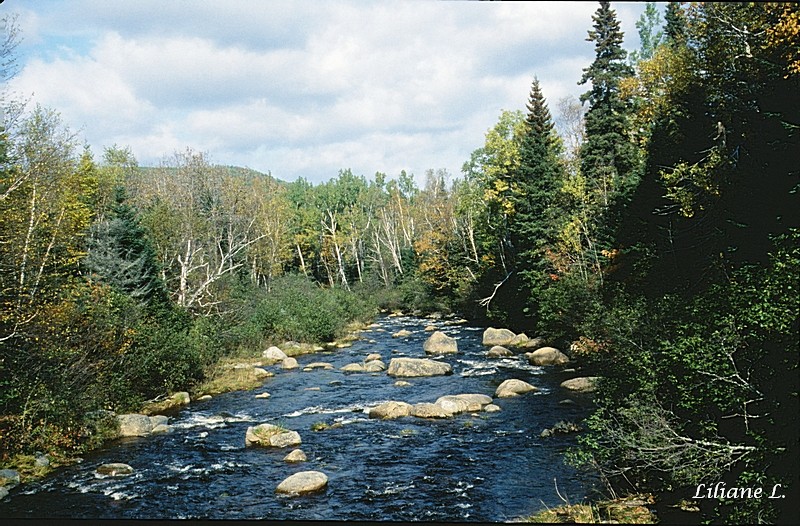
{"x":650,"y":228}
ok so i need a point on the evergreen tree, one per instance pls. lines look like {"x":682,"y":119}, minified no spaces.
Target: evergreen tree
{"x":608,"y":158}
{"x":538,"y":180}
{"x":121,"y":255}
{"x":675,"y":28}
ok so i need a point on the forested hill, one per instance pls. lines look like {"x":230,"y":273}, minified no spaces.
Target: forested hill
{"x":651,"y":230}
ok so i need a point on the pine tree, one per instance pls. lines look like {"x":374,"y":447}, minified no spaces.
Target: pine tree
{"x":121,"y":255}
{"x":609,"y":159}
{"x":537,"y":181}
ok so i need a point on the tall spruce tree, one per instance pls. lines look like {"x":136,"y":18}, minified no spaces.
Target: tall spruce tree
{"x":121,"y":255}
{"x":608,"y":157}
{"x":537,"y":182}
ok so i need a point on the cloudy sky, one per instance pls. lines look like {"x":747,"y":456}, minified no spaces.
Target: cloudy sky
{"x":300,"y":88}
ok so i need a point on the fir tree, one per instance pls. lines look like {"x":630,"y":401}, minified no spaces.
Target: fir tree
{"x":538,"y":179}
{"x":121,"y":255}
{"x":608,"y":158}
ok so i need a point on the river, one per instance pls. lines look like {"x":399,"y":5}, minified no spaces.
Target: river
{"x":488,"y":467}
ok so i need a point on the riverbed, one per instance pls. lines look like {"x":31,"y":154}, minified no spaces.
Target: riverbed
{"x":487,"y":467}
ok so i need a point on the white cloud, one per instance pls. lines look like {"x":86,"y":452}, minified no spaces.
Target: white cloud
{"x":298,"y":88}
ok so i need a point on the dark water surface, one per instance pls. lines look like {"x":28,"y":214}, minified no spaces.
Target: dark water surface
{"x":489,"y":467}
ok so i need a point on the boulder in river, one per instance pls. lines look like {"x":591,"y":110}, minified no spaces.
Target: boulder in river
{"x":263,"y":395}
{"x":582,"y":384}
{"x":491,"y":408}
{"x":303,"y":482}
{"x":390,"y":410}
{"x":428,"y":410}
{"x":289,"y":363}
{"x":134,"y":425}
{"x":519,"y":340}
{"x":372,"y":357}
{"x":402,"y":383}
{"x":440,"y":343}
{"x":375,"y":366}
{"x":452,"y":405}
{"x":430,"y":328}
{"x":115,"y":469}
{"x":492,"y":337}
{"x":273,"y":353}
{"x":547,"y":356}
{"x":296,"y":455}
{"x":270,"y":435}
{"x":413,"y":367}
{"x":402,"y":333}
{"x":498,"y":351}
{"x":353,"y":368}
{"x":513,"y":387}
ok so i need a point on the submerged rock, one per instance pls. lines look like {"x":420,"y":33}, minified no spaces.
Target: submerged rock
{"x":491,"y":408}
{"x":401,"y":383}
{"x":414,"y":367}
{"x":115,"y":469}
{"x":403,"y":333}
{"x":303,"y":482}
{"x":440,"y":343}
{"x":513,"y":387}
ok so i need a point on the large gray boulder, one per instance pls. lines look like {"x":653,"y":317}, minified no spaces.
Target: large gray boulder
{"x":440,"y":343}
{"x":270,"y":435}
{"x":390,"y":410}
{"x":413,"y":367}
{"x":303,"y":482}
{"x":275,"y":354}
{"x":428,"y":410}
{"x":452,"y":405}
{"x":583,"y":384}
{"x":134,"y":425}
{"x":492,"y":337}
{"x":547,"y":356}
{"x":513,"y":387}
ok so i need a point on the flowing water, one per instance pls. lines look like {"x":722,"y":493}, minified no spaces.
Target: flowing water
{"x":488,"y":467}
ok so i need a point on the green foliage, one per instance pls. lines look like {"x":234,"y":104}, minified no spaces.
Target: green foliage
{"x":300,"y":310}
